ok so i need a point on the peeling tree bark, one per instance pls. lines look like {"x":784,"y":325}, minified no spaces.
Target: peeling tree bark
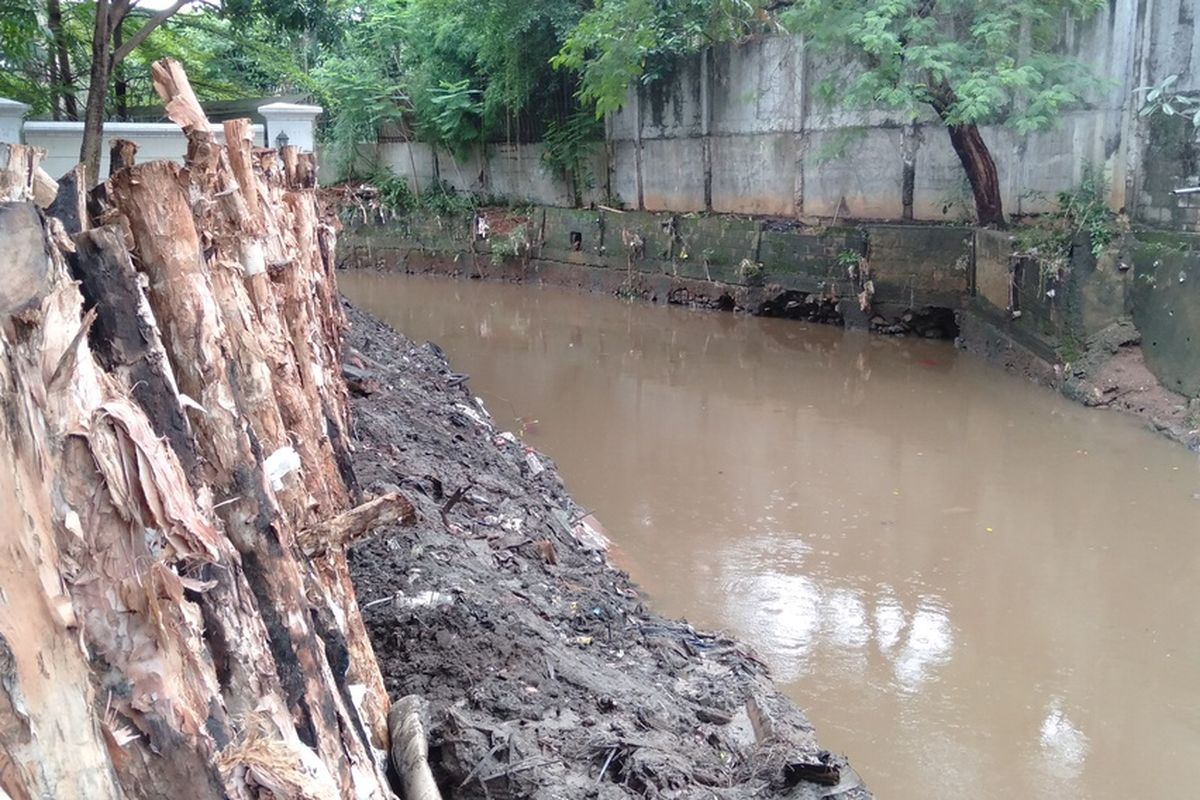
{"x":176,"y":615}
{"x":121,"y":154}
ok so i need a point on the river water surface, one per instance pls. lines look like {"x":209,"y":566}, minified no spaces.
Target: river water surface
{"x":976,"y":588}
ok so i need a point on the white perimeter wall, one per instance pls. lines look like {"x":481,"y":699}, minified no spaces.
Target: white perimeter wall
{"x":61,"y":140}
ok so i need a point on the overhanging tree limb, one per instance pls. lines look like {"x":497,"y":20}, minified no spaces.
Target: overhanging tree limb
{"x":158,"y":19}
{"x":110,"y":15}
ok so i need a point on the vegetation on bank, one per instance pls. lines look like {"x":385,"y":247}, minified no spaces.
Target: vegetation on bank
{"x":1081,"y":213}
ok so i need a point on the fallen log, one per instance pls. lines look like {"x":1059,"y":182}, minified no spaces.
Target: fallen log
{"x":176,"y":615}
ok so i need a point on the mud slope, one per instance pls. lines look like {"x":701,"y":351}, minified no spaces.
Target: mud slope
{"x":546,"y":674}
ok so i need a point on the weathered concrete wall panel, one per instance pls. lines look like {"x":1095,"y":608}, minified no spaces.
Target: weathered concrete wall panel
{"x":622,"y":173}
{"x":910,"y":261}
{"x":723,"y":241}
{"x":993,"y":269}
{"x":570,"y":230}
{"x":671,"y":109}
{"x":1101,"y":289}
{"x":754,"y":174}
{"x":673,"y":174}
{"x":756,"y":87}
{"x":411,"y":160}
{"x":865,"y":186}
{"x":519,"y":171}
{"x":1166,"y":308}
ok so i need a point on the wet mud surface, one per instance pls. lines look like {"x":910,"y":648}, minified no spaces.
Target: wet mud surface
{"x":546,"y":674}
{"x":1112,"y":373}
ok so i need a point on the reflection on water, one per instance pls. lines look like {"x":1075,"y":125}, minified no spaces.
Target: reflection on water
{"x":1064,"y":744}
{"x":975,"y":588}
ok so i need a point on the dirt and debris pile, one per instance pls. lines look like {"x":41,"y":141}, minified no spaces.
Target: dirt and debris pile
{"x":546,"y":675}
{"x":1111,"y":372}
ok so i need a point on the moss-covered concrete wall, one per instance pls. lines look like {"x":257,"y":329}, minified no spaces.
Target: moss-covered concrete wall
{"x":1153,"y":278}
{"x":1054,"y":308}
{"x":1166,"y":307}
{"x":909,"y":264}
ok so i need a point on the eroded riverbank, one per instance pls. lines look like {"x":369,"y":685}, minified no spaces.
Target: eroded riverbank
{"x":827,"y":497}
{"x":547,"y":674}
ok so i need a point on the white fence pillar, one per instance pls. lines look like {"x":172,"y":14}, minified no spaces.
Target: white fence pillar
{"x":294,"y":123}
{"x":11,"y":115}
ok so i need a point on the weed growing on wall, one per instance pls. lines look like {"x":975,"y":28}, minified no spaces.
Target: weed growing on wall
{"x":395,"y":194}
{"x":514,"y":244}
{"x":569,"y":144}
{"x":751,"y":273}
{"x":1081,"y":211}
{"x":387,"y":196}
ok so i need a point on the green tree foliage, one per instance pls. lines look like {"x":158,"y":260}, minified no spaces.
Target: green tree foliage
{"x":1165,"y":99}
{"x":25,"y":46}
{"x":619,"y":42}
{"x":452,"y":72}
{"x":54,"y":53}
{"x":226,"y":59}
{"x":972,"y":62}
{"x":456,"y":118}
{"x":569,"y":144}
{"x":361,"y":81}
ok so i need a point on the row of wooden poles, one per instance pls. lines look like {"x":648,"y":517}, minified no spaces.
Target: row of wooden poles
{"x":176,"y":490}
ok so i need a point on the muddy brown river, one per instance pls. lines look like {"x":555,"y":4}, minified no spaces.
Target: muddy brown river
{"x":976,"y":588}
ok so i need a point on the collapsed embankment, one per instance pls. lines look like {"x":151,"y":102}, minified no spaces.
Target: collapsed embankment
{"x":1112,"y":331}
{"x":547,"y":675}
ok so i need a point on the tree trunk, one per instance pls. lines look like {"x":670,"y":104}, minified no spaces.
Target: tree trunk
{"x":179,"y":618}
{"x":55,"y":92}
{"x":93,"y":113}
{"x":977,"y":161}
{"x":120,"y":85}
{"x":60,"y":62}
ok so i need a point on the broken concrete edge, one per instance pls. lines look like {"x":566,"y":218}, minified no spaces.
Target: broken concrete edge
{"x":1089,"y":380}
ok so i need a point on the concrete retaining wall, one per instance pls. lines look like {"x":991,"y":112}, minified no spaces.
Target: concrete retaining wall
{"x":911,"y":265}
{"x":738,"y":129}
{"x":1165,"y":299}
{"x":1153,"y":278}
